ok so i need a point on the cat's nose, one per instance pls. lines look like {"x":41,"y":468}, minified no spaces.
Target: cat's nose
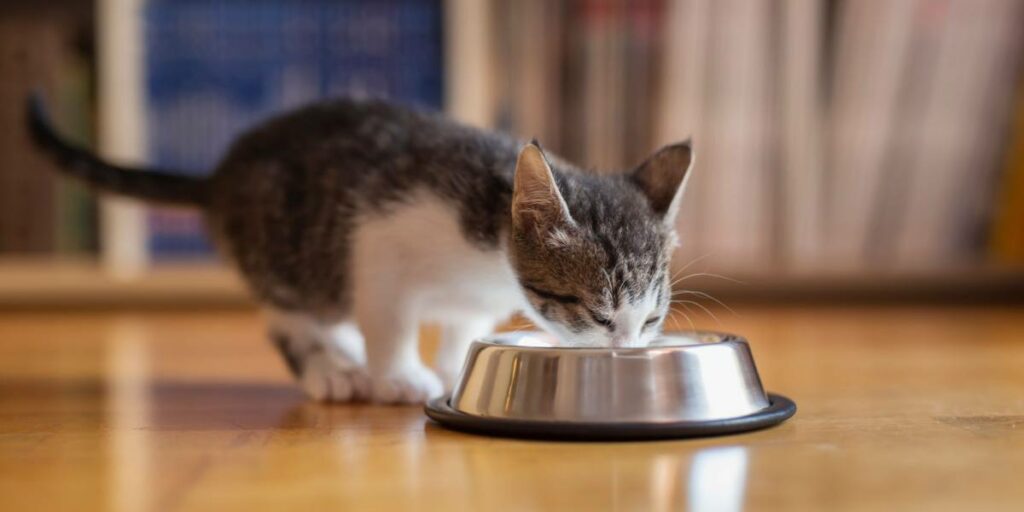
{"x":624,"y":341}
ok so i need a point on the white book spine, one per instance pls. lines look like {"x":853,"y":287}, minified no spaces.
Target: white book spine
{"x":873,"y":41}
{"x":681,"y":114}
{"x":536,"y":70}
{"x":737,"y":222}
{"x":603,"y":80}
{"x":122,"y":131}
{"x":802,"y":138}
{"x":468,"y":60}
{"x":967,"y":106}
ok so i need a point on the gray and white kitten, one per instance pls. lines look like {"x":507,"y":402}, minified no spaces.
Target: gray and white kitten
{"x":357,"y":220}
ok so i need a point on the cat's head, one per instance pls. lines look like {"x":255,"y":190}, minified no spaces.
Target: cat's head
{"x":592,"y":252}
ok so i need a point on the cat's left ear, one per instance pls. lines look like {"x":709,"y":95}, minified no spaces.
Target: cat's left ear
{"x":536,"y":200}
{"x":663,"y":177}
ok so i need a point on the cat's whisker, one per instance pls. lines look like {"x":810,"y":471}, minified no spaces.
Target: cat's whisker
{"x":687,"y":317}
{"x":690,"y":321}
{"x":691,"y":263}
{"x":680,"y":303}
{"x":519,"y":327}
{"x":677,"y":278}
{"x":678,"y":275}
{"x":707,"y":296}
{"x":701,"y":306}
{"x":670,"y":323}
{"x":707,"y":274}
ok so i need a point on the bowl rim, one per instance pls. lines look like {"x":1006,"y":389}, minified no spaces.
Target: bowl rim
{"x":725,"y":338}
{"x":780,"y":408}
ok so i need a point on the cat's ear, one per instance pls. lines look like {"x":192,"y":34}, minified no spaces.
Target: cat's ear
{"x":536,"y":200}
{"x":663,"y":177}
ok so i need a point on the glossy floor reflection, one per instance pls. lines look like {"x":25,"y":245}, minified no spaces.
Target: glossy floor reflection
{"x":901,"y":408}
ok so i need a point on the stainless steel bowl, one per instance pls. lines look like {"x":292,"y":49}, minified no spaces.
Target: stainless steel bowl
{"x":681,"y":383}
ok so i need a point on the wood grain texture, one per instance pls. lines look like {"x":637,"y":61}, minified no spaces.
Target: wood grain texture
{"x":901,"y":408}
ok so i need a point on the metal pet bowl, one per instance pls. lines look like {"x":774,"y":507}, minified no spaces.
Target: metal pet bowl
{"x":682,"y":385}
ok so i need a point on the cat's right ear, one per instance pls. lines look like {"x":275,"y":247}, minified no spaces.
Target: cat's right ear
{"x":536,"y":200}
{"x":662,"y":178}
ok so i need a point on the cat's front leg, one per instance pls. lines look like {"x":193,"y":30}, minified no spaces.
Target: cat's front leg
{"x":455,"y":340}
{"x":397,"y":374}
{"x":327,"y":358}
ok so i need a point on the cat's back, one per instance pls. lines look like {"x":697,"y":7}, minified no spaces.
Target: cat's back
{"x":367,"y":134}
{"x":359,"y":156}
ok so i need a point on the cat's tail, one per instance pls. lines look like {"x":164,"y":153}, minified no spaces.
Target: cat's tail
{"x":147,"y":184}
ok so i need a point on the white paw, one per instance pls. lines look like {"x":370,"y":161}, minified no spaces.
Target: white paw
{"x":412,"y":384}
{"x":323,"y":379}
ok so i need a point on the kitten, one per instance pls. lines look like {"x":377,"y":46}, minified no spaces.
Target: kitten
{"x":356,"y":220}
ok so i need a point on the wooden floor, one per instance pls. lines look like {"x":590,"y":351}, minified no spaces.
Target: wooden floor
{"x":901,"y":408}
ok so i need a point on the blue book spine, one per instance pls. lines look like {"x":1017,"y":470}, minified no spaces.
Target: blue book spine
{"x":216,"y":67}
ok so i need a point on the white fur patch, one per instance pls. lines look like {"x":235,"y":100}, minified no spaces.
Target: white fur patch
{"x":445,"y":276}
{"x":413,"y":264}
{"x":629,"y":321}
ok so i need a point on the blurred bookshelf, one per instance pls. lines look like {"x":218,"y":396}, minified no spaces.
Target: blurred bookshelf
{"x":845,"y":150}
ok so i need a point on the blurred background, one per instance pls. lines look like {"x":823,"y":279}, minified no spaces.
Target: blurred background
{"x":846,"y":148}
{"x":857,"y":200}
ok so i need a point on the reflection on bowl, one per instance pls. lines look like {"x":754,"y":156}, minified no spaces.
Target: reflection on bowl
{"x":691,"y":377}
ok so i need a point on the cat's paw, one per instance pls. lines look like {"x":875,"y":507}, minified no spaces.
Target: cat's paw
{"x":325,"y":380}
{"x":412,"y":384}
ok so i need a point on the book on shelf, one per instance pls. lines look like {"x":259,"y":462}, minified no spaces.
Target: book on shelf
{"x":40,"y":212}
{"x":1006,"y":238}
{"x":737,"y":212}
{"x":810,"y":120}
{"x":681,"y":112}
{"x":602,"y":61}
{"x":800,"y":151}
{"x":205,"y":83}
{"x":529,"y":46}
{"x":924,"y":29}
{"x":872,"y":43}
{"x":471,"y":62}
{"x":77,"y":221}
{"x":958,"y":155}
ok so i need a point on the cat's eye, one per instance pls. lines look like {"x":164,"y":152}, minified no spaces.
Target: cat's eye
{"x":557,"y":297}
{"x":601,"y":320}
{"x":651,"y":321}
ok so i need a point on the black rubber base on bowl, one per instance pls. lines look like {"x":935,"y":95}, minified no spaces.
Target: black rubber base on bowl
{"x":439,"y":410}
